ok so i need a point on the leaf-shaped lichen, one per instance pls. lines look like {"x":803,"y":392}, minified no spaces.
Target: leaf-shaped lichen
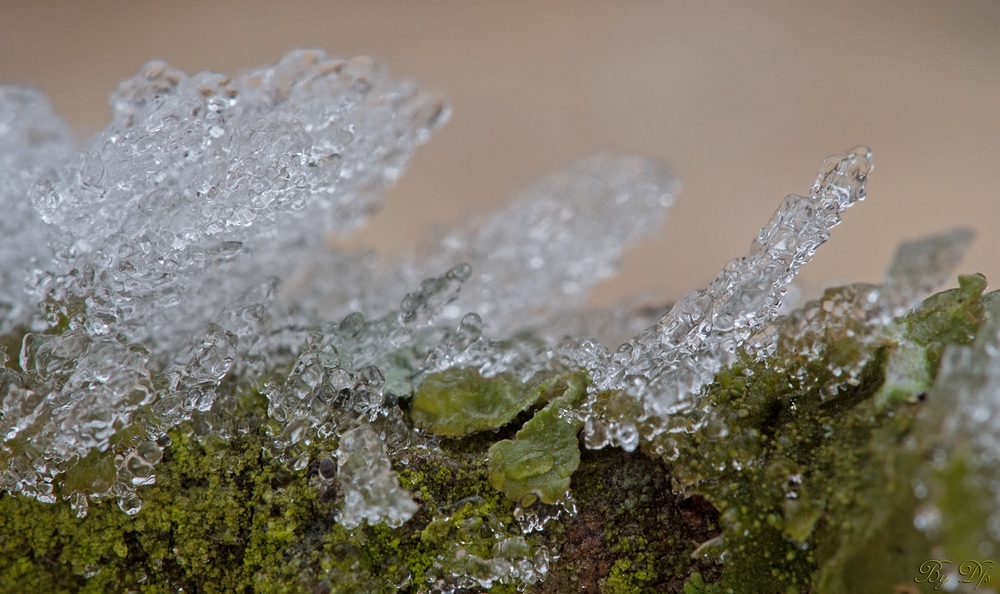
{"x":460,"y":402}
{"x":538,"y":463}
{"x":951,"y":316}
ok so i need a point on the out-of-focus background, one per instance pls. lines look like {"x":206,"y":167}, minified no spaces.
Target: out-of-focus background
{"x":744,"y":100}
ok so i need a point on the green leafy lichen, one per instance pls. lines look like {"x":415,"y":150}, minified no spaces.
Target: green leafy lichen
{"x":459,"y":402}
{"x":538,"y":463}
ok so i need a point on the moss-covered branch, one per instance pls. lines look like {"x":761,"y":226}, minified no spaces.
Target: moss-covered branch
{"x":783,"y":488}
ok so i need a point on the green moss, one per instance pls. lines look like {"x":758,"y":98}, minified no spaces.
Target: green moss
{"x":225,"y":516}
{"x":192,"y":530}
{"x":815,"y":492}
{"x":963,"y":501}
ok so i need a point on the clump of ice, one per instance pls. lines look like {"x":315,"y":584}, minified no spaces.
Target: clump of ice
{"x":541,"y":254}
{"x":203,"y":185}
{"x":862,"y":312}
{"x":33,"y":141}
{"x":156,"y":257}
{"x":533,"y":260}
{"x":164,"y":230}
{"x":665,"y":366}
{"x":514,"y":561}
{"x":486,"y":552}
{"x":371,"y":491}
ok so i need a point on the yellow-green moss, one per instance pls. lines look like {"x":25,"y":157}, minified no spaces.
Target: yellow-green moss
{"x":815,"y":492}
{"x":226,"y":517}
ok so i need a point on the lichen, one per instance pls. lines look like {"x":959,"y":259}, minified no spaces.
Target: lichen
{"x":538,"y":463}
{"x":460,"y":401}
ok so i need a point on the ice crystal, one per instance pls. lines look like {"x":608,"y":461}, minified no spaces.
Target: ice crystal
{"x":168,"y":224}
{"x":157,"y":251}
{"x":532,"y":261}
{"x":33,"y":141}
{"x":513,"y":562}
{"x":371,"y":490}
{"x":666,"y":365}
{"x":506,"y":559}
{"x":202,"y":186}
{"x":863,"y":312}
{"x":541,"y":254}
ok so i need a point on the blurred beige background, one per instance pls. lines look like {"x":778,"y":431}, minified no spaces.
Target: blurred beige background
{"x":744,"y":100}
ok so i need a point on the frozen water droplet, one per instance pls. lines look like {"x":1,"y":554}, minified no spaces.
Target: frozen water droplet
{"x":927,"y":519}
{"x":149,"y":451}
{"x":130,"y":504}
{"x":79,"y":503}
{"x":372,"y":378}
{"x":300,"y":462}
{"x":352,"y":325}
{"x":339,"y":379}
{"x":460,"y":273}
{"x":327,"y":469}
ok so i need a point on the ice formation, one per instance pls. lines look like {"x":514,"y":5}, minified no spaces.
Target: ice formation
{"x":179,"y":259}
{"x":33,"y":141}
{"x":665,"y":366}
{"x":202,"y":186}
{"x":531,"y":258}
{"x":512,"y":560}
{"x":371,"y":491}
{"x":165,"y":229}
{"x":863,"y":312}
{"x":154,"y":254}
